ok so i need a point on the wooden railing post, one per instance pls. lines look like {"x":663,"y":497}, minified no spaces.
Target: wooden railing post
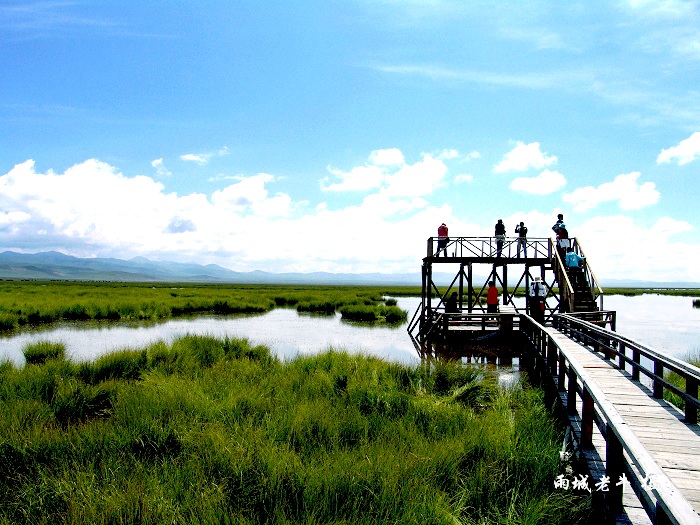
{"x":571,"y":392}
{"x":691,"y":410}
{"x":561,"y":382}
{"x":552,"y":357}
{"x":587,"y":420}
{"x":614,"y":470}
{"x":430,"y":247}
{"x":658,"y":385}
{"x":621,"y":361}
{"x":636,"y":365}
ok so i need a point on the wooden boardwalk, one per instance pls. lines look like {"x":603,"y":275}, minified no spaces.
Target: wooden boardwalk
{"x":673,"y":444}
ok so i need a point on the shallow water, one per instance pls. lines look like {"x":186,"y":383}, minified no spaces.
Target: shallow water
{"x":665,"y":323}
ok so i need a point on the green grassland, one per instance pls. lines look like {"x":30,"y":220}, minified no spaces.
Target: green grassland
{"x":210,"y":431}
{"x":32,"y":302}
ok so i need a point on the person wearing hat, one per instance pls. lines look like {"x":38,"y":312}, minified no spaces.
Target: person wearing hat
{"x":536,"y":297}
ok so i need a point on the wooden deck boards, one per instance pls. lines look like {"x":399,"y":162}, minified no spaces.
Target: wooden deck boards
{"x":674,"y":445}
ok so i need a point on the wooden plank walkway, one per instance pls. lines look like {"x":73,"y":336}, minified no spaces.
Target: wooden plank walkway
{"x":673,"y":444}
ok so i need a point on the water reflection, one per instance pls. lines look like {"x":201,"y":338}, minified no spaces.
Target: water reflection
{"x":283,"y":330}
{"x":665,"y":323}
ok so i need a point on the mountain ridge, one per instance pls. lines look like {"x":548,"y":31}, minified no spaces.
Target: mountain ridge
{"x":54,"y":265}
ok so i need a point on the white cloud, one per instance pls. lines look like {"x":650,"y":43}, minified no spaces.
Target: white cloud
{"x":387,"y":157}
{"x":448,"y":154}
{"x":418,"y":179}
{"x":388,"y":172}
{"x":204,"y":158}
{"x":625,"y":189}
{"x":464,"y":177}
{"x":191,"y":157}
{"x":617,"y":247}
{"x":161,"y":170}
{"x":359,"y":178}
{"x":545,"y":183}
{"x":93,"y":209}
{"x":685,"y":152}
{"x":524,"y":156}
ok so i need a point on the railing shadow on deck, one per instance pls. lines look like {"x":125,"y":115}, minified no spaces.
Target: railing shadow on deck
{"x":616,"y":346}
{"x":664,"y":503}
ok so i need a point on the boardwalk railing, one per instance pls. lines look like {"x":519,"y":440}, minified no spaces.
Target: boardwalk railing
{"x":625,"y":454}
{"x":486,"y":247}
{"x":601,"y":318}
{"x":628,"y":354}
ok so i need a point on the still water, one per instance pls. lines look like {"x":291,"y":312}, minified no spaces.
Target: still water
{"x":665,"y":323}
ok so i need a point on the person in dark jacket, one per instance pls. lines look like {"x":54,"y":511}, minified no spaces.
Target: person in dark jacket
{"x":521,"y":230}
{"x":500,"y":234}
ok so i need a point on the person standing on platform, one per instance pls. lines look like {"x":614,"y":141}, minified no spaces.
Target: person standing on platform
{"x":562,"y":236}
{"x":500,"y":233}
{"x":492,"y":298}
{"x":443,"y":239}
{"x":521,"y":230}
{"x":536,"y":296}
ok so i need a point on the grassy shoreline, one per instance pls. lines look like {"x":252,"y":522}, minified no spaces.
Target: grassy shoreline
{"x":23,"y":303}
{"x":35,"y":302}
{"x":218,"y":431}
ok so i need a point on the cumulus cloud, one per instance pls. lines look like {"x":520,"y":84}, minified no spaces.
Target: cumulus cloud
{"x":387,"y":157}
{"x":545,"y":183}
{"x":464,"y":177}
{"x":359,"y":178}
{"x":93,"y":209}
{"x":387,"y":172}
{"x":448,"y":154}
{"x":685,"y":152}
{"x":524,"y":156}
{"x":625,"y":189}
{"x":608,"y":250}
{"x":204,"y":158}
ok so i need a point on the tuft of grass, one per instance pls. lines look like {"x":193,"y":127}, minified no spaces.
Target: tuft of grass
{"x":694,"y":359}
{"x":41,"y":351}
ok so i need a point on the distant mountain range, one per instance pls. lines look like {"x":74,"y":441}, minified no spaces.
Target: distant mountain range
{"x":58,"y":266}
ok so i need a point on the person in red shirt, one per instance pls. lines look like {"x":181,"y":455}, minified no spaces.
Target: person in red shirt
{"x":442,"y":239}
{"x":492,"y":298}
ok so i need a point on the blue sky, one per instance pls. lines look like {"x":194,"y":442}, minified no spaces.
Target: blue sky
{"x":336,"y":136}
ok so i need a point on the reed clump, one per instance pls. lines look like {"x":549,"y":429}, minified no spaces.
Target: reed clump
{"x":220,"y":431}
{"x":41,"y":351}
{"x":675,"y":379}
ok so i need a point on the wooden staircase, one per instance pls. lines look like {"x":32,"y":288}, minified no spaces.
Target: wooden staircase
{"x":576,"y":286}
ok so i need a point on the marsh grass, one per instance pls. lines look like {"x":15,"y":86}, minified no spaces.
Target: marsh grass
{"x":220,"y":431}
{"x":694,"y":359}
{"x":41,"y":351}
{"x":23,"y":303}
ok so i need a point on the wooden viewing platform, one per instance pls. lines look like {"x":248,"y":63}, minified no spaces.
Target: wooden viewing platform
{"x":641,"y":453}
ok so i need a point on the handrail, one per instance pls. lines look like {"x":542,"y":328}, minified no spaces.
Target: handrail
{"x":481,"y":247}
{"x":670,"y":503}
{"x":594,"y":282}
{"x":616,"y":344}
{"x":598,"y":318}
{"x":560,"y":271}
